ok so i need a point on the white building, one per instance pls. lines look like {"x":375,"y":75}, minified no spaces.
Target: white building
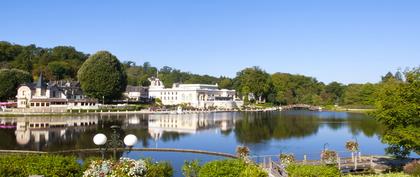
{"x":59,"y":95}
{"x":136,"y":93}
{"x":195,"y":95}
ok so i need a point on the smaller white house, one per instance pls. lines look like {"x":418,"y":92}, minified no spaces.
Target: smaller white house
{"x":136,"y":93}
{"x":67,"y":95}
{"x":195,"y":95}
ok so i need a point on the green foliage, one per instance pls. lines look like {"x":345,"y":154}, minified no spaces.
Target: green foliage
{"x":191,"y":168}
{"x":10,"y":81}
{"x":398,"y":104}
{"x":381,"y":175}
{"x":230,"y":168}
{"x":295,"y":170}
{"x":293,"y":89}
{"x":253,"y":80}
{"x":253,"y":171}
{"x":359,"y":94}
{"x":35,"y":59}
{"x":102,"y":76}
{"x":46,"y":165}
{"x":158,"y":169}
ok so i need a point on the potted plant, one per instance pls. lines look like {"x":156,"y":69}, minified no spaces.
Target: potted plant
{"x":287,"y":158}
{"x":353,"y":147}
{"x":242,"y":152}
{"x":329,"y":156}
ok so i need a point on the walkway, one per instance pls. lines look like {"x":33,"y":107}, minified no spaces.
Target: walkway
{"x":221,"y":154}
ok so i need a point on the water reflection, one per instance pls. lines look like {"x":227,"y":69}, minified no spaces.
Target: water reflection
{"x":76,"y":132}
{"x":259,"y":127}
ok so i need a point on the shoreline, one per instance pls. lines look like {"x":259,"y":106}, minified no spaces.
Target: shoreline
{"x":93,"y":112}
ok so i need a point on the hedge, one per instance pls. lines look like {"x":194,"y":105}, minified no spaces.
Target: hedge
{"x":230,"y":168}
{"x":46,"y":165}
{"x":295,"y":170}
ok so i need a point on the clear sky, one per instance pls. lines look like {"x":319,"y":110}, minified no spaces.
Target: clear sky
{"x":350,"y":41}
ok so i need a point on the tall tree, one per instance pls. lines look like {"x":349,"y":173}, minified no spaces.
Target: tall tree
{"x":10,"y":81}
{"x":102,"y":76}
{"x":253,"y":80}
{"x":398,"y":108}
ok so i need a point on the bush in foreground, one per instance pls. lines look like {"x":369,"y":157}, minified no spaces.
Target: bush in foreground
{"x":46,"y":165}
{"x":230,"y":168}
{"x":382,"y":175}
{"x":413,"y":168}
{"x":295,"y":170}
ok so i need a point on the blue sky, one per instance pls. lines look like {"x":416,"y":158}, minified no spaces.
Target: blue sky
{"x":350,"y":41}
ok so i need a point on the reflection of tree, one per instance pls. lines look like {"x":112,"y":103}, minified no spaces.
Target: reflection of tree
{"x":255,"y":128}
{"x":172,"y":136}
{"x":367,"y":125}
{"x":8,"y":139}
{"x":258,"y":127}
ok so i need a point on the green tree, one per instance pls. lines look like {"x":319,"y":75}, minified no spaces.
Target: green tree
{"x":360,"y":94}
{"x":253,"y":80}
{"x":225,"y":83}
{"x":398,"y":108}
{"x":59,"y":70}
{"x":10,"y":81}
{"x":102,"y":76}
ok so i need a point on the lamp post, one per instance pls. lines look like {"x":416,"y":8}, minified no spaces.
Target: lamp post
{"x":114,"y":142}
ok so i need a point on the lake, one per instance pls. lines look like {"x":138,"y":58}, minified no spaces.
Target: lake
{"x":265,"y":133}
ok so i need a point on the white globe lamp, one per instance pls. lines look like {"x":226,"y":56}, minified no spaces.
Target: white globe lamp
{"x":100,"y":139}
{"x":130,"y":140}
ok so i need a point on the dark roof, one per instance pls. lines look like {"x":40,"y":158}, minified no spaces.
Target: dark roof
{"x":131,"y":88}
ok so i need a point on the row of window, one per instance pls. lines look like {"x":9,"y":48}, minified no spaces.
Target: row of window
{"x":169,"y":98}
{"x":59,"y":103}
{"x":169,"y":93}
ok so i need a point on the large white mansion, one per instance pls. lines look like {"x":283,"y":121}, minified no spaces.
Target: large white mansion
{"x":195,"y":95}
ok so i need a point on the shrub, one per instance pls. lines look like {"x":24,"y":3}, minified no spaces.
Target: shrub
{"x":46,"y":165}
{"x":253,"y":171}
{"x":413,"y":168}
{"x":230,"y":168}
{"x":226,"y":168}
{"x":381,"y":175}
{"x":191,"y":168}
{"x":158,"y":169}
{"x":295,"y":170}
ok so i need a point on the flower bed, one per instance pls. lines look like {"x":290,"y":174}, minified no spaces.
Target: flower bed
{"x":125,"y":167}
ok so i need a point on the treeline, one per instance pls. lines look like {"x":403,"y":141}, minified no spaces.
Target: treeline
{"x":61,"y":62}
{"x":254,"y":84}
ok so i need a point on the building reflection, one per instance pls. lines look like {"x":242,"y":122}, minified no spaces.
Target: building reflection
{"x":158,"y":125}
{"x":58,"y":133}
{"x":37,"y":132}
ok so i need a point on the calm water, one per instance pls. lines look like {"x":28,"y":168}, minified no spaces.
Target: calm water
{"x":265,"y":133}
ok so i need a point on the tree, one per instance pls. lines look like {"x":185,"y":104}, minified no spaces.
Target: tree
{"x":225,"y":83}
{"x":397,"y":107}
{"x":387,"y":77}
{"x":253,"y":80}
{"x":335,"y":90}
{"x":10,"y":81}
{"x":59,"y":70}
{"x":102,"y":76}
